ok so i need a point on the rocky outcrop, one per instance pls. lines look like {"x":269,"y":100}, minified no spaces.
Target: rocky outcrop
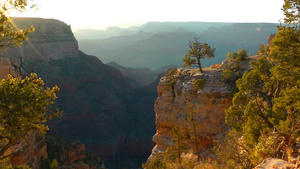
{"x":52,"y":39}
{"x":71,"y":155}
{"x":30,"y":150}
{"x":270,"y":38}
{"x":275,"y":163}
{"x":175,"y":102}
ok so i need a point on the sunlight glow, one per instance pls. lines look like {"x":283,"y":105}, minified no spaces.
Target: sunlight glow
{"x":95,"y":13}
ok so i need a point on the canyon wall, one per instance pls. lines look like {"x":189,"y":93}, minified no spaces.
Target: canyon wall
{"x":176,"y":102}
{"x":102,"y":109}
{"x":52,"y":39}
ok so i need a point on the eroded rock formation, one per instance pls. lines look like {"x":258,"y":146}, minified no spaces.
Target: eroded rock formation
{"x":52,"y":39}
{"x":174,"y":104}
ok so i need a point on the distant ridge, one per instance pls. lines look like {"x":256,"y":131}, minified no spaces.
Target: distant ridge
{"x":157,"y":44}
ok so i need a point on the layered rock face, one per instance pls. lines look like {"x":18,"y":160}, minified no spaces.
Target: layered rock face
{"x":102,"y":109}
{"x":30,"y":150}
{"x":52,"y":39}
{"x":175,"y":104}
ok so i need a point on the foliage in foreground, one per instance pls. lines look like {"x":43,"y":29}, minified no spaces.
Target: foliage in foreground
{"x":266,"y":111}
{"x":24,"y":106}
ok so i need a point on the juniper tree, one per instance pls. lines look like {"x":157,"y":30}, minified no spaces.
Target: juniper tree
{"x":197,"y":52}
{"x":291,"y":9}
{"x":193,"y":129}
{"x":266,"y":110}
{"x":268,"y":101}
{"x":179,"y":146}
{"x":24,"y":106}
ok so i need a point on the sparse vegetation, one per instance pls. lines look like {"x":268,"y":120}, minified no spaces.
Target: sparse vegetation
{"x":231,"y":71}
{"x":169,"y":77}
{"x":54,"y":164}
{"x":199,"y":84}
{"x":24,"y":107}
{"x":197,"y":51}
{"x":174,"y":152}
{"x":236,"y":58}
{"x":227,"y":75}
{"x":263,"y":49}
{"x":156,"y":163}
{"x":265,"y":113}
{"x":193,"y":130}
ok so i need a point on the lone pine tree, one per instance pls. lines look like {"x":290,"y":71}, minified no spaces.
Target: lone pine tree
{"x":197,"y":51}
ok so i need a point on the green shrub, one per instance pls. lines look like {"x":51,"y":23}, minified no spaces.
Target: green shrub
{"x":231,"y":153}
{"x":236,"y":58}
{"x":156,"y":163}
{"x":54,"y":164}
{"x":227,"y":75}
{"x":170,"y":73}
{"x":199,"y":84}
{"x":171,"y":83}
{"x":168,"y":77}
{"x":236,"y":67}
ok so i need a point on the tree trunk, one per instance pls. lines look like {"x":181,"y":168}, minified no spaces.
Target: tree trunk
{"x":196,"y":142}
{"x":199,"y":65}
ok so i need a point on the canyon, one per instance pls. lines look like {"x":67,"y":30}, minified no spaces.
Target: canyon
{"x":157,"y":44}
{"x":109,"y":108}
{"x":102,"y":109}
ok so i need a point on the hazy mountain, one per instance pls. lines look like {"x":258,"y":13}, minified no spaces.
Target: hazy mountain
{"x":160,"y":44}
{"x":99,"y":47}
{"x":195,"y":27}
{"x":82,"y":34}
{"x":150,"y":27}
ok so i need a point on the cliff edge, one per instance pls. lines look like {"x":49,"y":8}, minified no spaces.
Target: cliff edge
{"x":175,"y":102}
{"x":52,"y":39}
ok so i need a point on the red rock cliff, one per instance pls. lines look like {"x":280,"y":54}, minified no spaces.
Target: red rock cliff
{"x":209,"y":105}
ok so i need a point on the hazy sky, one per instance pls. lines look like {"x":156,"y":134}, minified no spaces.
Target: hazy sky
{"x":99,"y":13}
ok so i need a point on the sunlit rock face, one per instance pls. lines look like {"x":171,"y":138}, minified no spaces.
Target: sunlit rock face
{"x":52,"y":39}
{"x":29,"y":151}
{"x":174,"y":104}
{"x":270,"y":38}
{"x":272,"y":163}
